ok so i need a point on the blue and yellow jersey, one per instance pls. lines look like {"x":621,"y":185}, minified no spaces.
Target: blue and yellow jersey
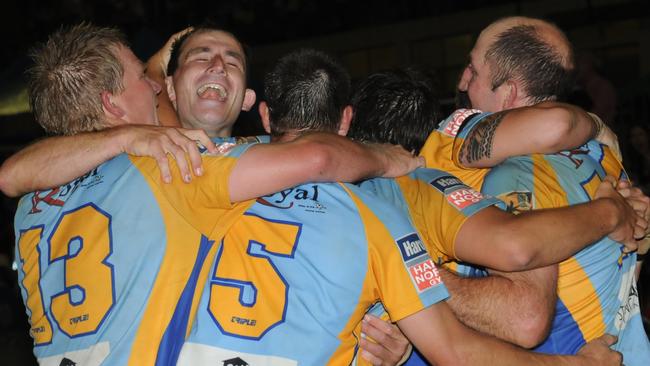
{"x":108,"y":264}
{"x":438,"y":204}
{"x":294,"y":276}
{"x":596,"y":287}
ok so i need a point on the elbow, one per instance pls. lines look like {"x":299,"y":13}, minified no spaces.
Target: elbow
{"x":516,"y":253}
{"x":521,"y":257}
{"x":6,"y":185}
{"x":561,"y":124}
{"x":532,"y":327}
{"x":564,"y":127}
{"x":322,"y":162}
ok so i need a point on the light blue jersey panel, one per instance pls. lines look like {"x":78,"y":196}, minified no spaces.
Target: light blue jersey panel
{"x":108,"y":264}
{"x":131,"y":246}
{"x":292,"y":279}
{"x":601,"y":269}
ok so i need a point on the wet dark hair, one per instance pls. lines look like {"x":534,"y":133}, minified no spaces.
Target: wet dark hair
{"x":397,"y":107}
{"x":306,"y":90}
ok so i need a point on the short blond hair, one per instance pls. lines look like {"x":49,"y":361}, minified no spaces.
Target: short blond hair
{"x":70,"y":72}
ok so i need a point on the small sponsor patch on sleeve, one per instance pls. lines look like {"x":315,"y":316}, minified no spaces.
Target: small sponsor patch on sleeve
{"x":464,"y":197}
{"x":446,"y":182}
{"x":425,"y":275}
{"x":411,"y":247}
{"x":456,"y":120}
{"x":517,"y":201}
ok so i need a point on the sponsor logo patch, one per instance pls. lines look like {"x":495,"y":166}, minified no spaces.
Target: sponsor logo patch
{"x":445,"y":182}
{"x":58,"y":196}
{"x":463,"y":197}
{"x":411,"y":247}
{"x":517,"y":201}
{"x":456,"y":120}
{"x":425,"y":275}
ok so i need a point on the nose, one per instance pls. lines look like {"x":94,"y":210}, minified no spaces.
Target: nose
{"x":463,"y":83}
{"x":217,"y":65}
{"x":154,"y":85}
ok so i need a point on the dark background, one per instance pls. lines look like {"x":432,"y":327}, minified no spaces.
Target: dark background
{"x":366,"y":35}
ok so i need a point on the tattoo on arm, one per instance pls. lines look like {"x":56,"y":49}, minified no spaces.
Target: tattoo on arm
{"x":478,"y":144}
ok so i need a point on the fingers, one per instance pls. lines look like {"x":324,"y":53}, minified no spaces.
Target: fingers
{"x":421,"y":163}
{"x":607,"y":339}
{"x":638,"y":205}
{"x":371,"y":351}
{"x":201,"y":137}
{"x":178,"y":153}
{"x":163,"y":165}
{"x":165,"y":52}
{"x":371,"y":322}
{"x":390,"y":344}
{"x":624,"y":183}
{"x":644,"y":245}
{"x":187,"y":139}
{"x":640,"y":229}
{"x":611,"y":180}
{"x":401,"y":162}
{"x":179,"y":34}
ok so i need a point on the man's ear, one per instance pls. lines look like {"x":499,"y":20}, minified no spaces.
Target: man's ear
{"x":110,"y":108}
{"x":263,"y":109}
{"x":171,"y":92}
{"x":249,"y":100}
{"x":346,"y":118}
{"x":511,"y":93}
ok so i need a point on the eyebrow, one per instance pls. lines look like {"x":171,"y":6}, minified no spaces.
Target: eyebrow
{"x":231,"y":53}
{"x":236,"y":55}
{"x":196,"y":50}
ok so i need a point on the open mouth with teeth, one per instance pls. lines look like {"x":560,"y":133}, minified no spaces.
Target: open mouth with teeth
{"x":212,"y":91}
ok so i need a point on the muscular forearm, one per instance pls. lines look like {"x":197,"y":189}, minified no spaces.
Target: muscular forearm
{"x":544,"y":128}
{"x":528,"y":300}
{"x":317,"y":157}
{"x":534,"y":239}
{"x":445,"y":341}
{"x":555,"y":235}
{"x":55,"y":161}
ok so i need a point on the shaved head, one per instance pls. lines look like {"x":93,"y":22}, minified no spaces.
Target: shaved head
{"x":518,"y":61}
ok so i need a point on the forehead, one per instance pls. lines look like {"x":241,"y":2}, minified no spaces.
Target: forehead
{"x":212,"y":40}
{"x":484,"y":40}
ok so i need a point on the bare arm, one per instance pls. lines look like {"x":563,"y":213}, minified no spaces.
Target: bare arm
{"x":543,"y":237}
{"x":316,"y":157}
{"x":55,"y":161}
{"x":527,"y":297}
{"x":547,"y":127}
{"x":443,"y":340}
{"x":156,"y":70}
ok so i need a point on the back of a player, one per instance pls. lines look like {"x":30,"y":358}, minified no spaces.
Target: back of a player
{"x":293,"y":278}
{"x":596,"y":287}
{"x":106,"y":268}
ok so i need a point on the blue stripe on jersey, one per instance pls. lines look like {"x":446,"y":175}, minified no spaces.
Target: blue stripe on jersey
{"x":172,"y":341}
{"x":566,"y":338}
